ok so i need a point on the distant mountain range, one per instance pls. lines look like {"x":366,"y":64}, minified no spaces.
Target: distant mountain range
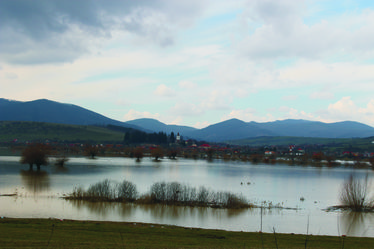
{"x":44,"y":110}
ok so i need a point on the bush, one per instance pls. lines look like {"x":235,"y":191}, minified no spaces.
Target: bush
{"x":172,"y":193}
{"x":127,"y":191}
{"x":78,"y":193}
{"x":101,"y":191}
{"x":355,"y":194}
{"x":178,"y":194}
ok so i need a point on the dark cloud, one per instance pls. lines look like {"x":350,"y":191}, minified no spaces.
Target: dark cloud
{"x":66,"y":28}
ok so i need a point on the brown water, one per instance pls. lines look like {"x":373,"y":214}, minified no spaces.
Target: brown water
{"x":39,"y":192}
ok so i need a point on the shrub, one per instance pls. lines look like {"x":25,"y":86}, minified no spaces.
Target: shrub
{"x":355,"y":194}
{"x":172,"y":193}
{"x":101,"y":191}
{"x":78,"y":193}
{"x":127,"y":191}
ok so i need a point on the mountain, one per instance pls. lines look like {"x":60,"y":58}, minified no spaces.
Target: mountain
{"x":44,"y":110}
{"x":53,"y":112}
{"x":304,"y":128}
{"x":229,"y":130}
{"x":235,"y":129}
{"x":157,"y":126}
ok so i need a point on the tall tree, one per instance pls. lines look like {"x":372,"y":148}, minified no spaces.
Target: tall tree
{"x":172,"y":137}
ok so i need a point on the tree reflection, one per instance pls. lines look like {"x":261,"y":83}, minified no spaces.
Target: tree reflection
{"x":356,"y":223}
{"x":99,"y":208}
{"x":35,"y":181}
{"x":157,"y":211}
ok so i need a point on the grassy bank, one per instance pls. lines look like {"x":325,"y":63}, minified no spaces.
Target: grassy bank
{"x":51,"y":233}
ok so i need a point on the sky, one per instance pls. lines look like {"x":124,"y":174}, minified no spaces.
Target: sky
{"x":195,"y":62}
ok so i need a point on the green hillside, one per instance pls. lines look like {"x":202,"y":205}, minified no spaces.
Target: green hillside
{"x":38,"y":131}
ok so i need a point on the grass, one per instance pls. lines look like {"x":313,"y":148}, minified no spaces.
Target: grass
{"x":52,"y":233}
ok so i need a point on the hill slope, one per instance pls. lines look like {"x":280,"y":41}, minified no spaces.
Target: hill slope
{"x":37,"y":131}
{"x":44,"y":110}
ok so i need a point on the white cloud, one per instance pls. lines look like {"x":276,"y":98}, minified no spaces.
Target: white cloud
{"x":280,"y":31}
{"x":186,"y":109}
{"x":216,"y":100}
{"x":292,"y":113}
{"x":59,"y":31}
{"x":186,"y":84}
{"x":290,"y":97}
{"x":133,"y":114}
{"x":177,"y":121}
{"x":346,"y":109}
{"x":201,"y":125}
{"x":164,"y":91}
{"x":342,"y":109}
{"x":246,"y":115}
{"x":322,"y":95}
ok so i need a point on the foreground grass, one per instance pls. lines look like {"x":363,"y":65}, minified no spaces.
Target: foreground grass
{"x":52,"y":233}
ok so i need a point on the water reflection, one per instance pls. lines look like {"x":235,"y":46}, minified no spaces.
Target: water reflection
{"x":35,"y":181}
{"x":156,"y":211}
{"x":59,"y":169}
{"x":356,"y":223}
{"x":98,"y":208}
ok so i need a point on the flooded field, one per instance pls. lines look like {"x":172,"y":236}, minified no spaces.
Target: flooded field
{"x":306,"y":190}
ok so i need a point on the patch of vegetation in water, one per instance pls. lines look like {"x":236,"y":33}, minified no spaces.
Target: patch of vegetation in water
{"x":355,"y":196}
{"x":172,"y":193}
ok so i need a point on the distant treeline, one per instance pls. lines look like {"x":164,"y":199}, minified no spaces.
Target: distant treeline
{"x":135,"y":136}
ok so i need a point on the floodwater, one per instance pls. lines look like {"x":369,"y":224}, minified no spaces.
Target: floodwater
{"x":306,"y":190}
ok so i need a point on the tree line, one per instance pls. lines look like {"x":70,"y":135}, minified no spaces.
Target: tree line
{"x":137,"y":137}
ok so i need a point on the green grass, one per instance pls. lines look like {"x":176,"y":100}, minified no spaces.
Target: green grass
{"x":31,"y":131}
{"x":51,"y":233}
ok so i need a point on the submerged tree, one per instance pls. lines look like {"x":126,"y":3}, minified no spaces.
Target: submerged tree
{"x":138,"y":153}
{"x":35,"y":154}
{"x":91,"y":151}
{"x":157,"y":153}
{"x":60,"y":162}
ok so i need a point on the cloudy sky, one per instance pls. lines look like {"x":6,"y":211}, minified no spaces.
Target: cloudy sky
{"x":194,"y":62}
